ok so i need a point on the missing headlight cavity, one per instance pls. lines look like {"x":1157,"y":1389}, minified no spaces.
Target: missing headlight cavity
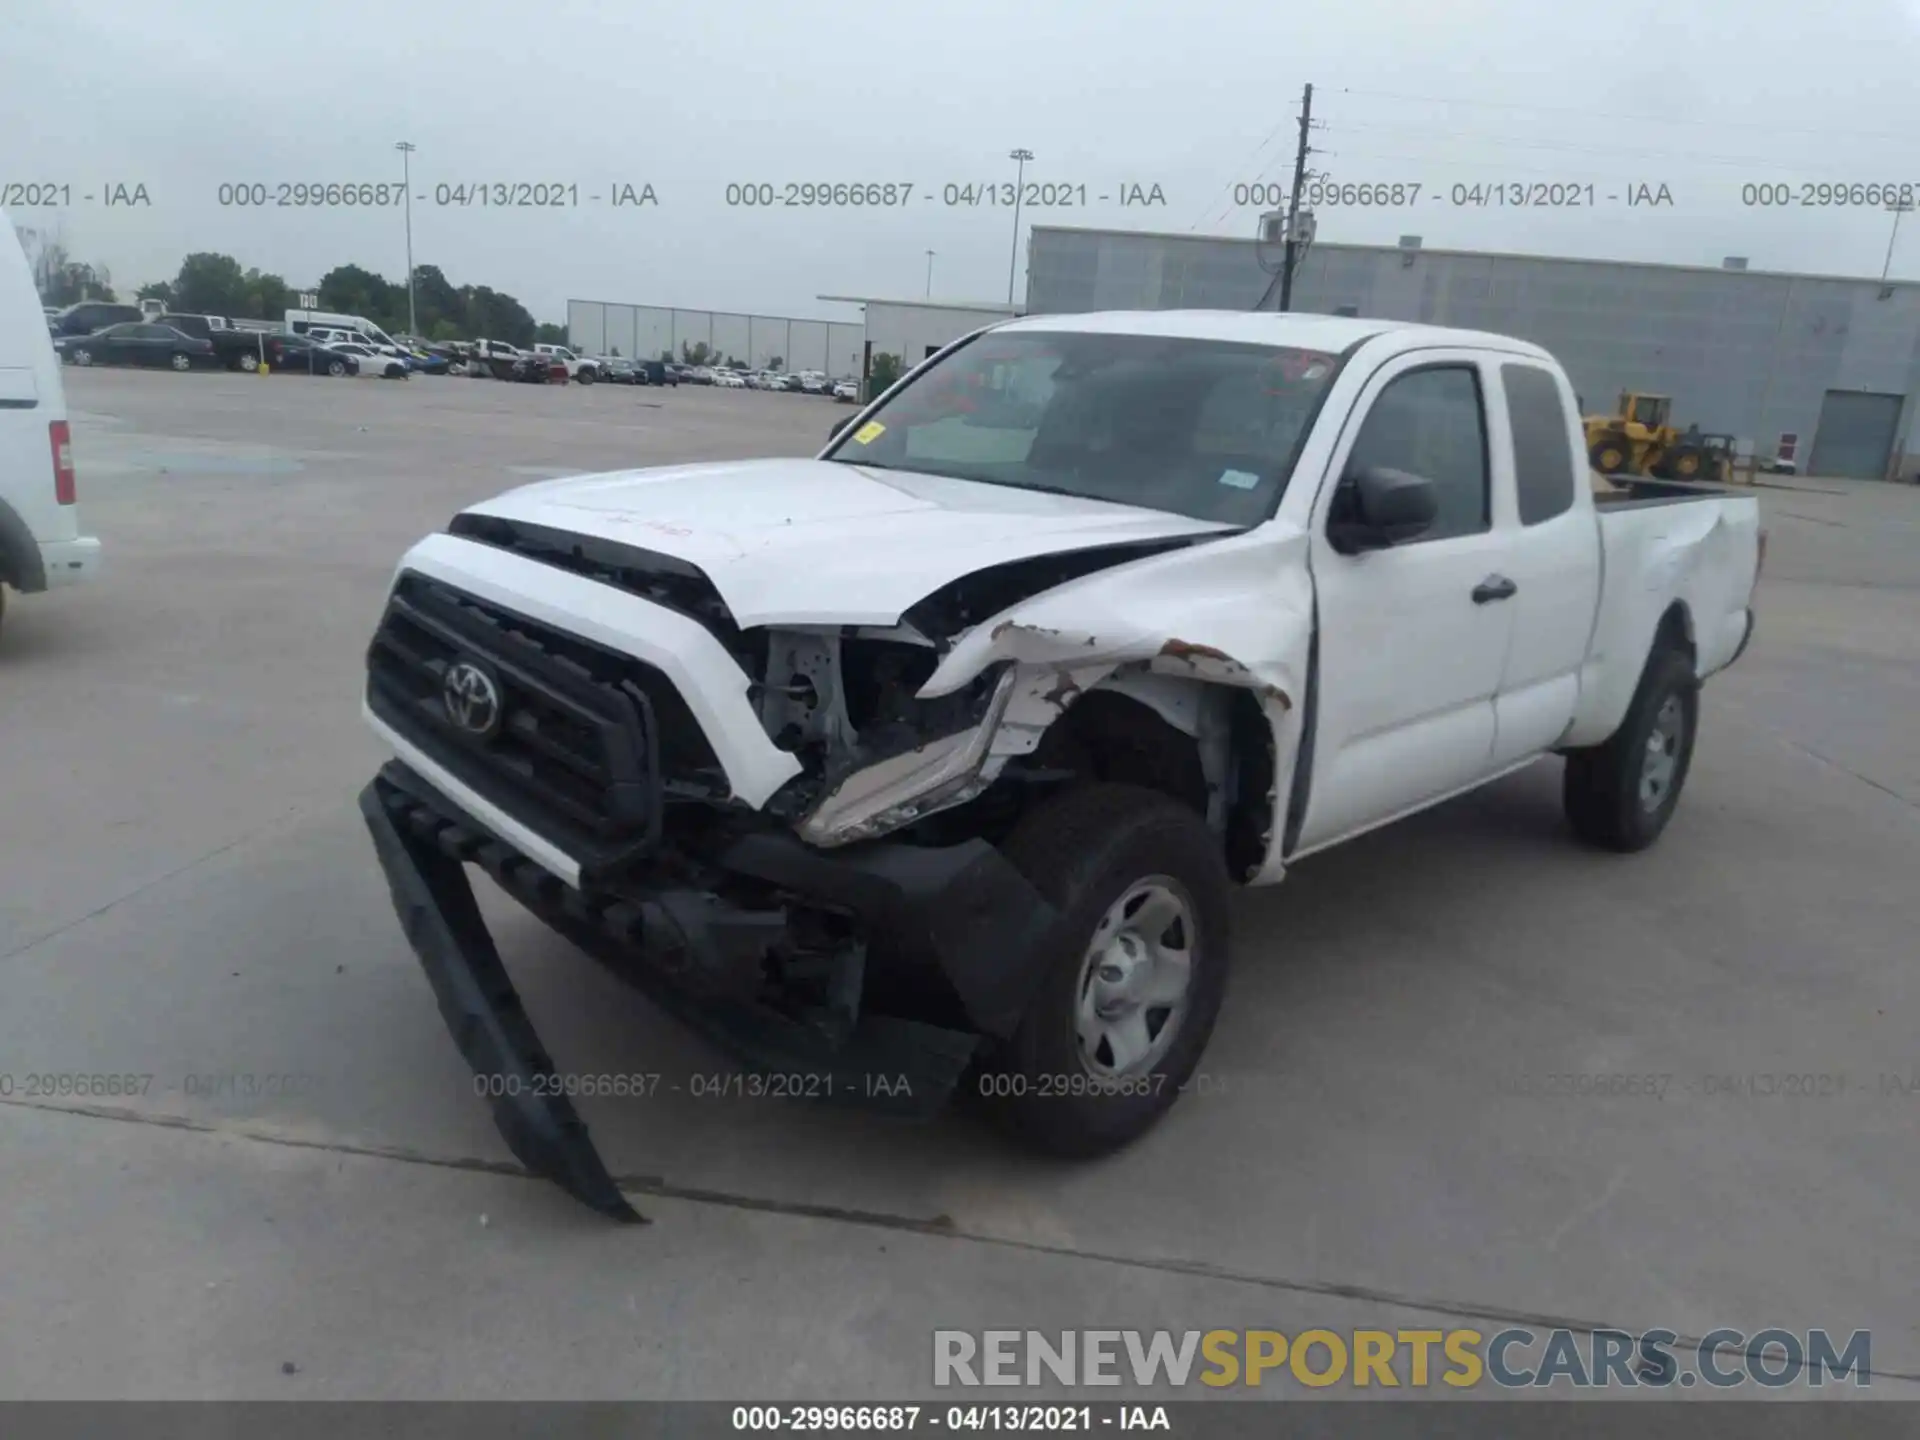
{"x":839,"y":702}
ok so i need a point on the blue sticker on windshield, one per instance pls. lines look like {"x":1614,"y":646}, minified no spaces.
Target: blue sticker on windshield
{"x":1239,"y":479}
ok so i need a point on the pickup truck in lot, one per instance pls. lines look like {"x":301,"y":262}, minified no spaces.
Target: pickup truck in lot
{"x":932,"y":761}
{"x":235,"y":349}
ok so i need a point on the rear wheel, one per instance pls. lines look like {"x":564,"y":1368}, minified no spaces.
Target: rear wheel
{"x":1135,"y":969}
{"x":83,"y":357}
{"x":1619,"y":795}
{"x":1686,"y":464}
{"x":180,"y":362}
{"x":249,"y":361}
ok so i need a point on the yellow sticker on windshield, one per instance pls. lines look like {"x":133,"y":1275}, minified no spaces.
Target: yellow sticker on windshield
{"x":869,"y":432}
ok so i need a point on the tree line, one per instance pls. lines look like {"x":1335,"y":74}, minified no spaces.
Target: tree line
{"x":209,"y":283}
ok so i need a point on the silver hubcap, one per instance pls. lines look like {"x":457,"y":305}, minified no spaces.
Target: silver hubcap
{"x":1662,"y":759}
{"x":1136,"y":977}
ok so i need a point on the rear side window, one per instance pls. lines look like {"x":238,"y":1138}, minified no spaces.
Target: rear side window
{"x":1543,"y":471}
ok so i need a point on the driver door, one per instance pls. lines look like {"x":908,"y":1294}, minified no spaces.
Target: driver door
{"x":1412,"y":638}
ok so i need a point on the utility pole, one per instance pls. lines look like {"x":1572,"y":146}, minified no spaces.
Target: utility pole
{"x":930,"y":274}
{"x":1293,"y":202}
{"x":1898,"y":208}
{"x":406,"y":149}
{"x":1019,"y":185}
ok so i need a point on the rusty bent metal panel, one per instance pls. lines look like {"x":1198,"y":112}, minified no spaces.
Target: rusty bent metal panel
{"x":481,"y":1007}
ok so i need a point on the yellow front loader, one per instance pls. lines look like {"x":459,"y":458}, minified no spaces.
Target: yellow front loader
{"x":1640,"y":439}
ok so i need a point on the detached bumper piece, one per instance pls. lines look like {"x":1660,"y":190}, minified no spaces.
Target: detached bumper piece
{"x":421,"y":856}
{"x":962,"y":917}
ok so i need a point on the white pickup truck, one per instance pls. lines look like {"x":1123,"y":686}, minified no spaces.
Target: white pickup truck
{"x":580,"y":369}
{"x":933,"y":760}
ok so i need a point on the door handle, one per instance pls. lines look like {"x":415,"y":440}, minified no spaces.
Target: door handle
{"x":1494,"y":587}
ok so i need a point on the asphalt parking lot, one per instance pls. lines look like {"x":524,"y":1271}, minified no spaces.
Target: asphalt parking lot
{"x":1385,"y":1136}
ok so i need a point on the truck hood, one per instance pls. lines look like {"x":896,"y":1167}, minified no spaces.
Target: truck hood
{"x":814,"y":542}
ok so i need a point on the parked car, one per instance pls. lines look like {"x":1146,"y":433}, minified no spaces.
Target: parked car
{"x":91,"y":315}
{"x":372,"y":364}
{"x":729,"y":380}
{"x":423,"y":361}
{"x":814,"y":382}
{"x":1277,"y":581}
{"x":621,"y":371}
{"x":658,"y":372}
{"x":847,"y":392}
{"x":493,"y":357}
{"x":41,"y":544}
{"x":579,"y":369}
{"x":303,"y":355}
{"x":137,"y":343}
{"x":235,"y":349}
{"x":700,"y":375}
{"x":534,"y":368}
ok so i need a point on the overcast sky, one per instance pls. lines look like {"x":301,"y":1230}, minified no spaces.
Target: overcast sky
{"x":1194,"y":96}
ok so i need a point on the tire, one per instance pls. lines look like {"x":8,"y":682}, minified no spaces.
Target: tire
{"x":1609,"y":455}
{"x":585,"y":377}
{"x":1090,"y":852}
{"x":336,"y":368}
{"x":1617,"y":795}
{"x":249,"y":361}
{"x":180,"y":362}
{"x":1686,"y":464}
{"x":83,"y":357}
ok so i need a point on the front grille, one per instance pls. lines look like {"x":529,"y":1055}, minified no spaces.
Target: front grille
{"x":590,"y":742}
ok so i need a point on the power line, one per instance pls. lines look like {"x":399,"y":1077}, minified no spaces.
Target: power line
{"x":1258,"y":150}
{"x":1564,"y":172}
{"x":1613,"y":150}
{"x":1612,"y":117}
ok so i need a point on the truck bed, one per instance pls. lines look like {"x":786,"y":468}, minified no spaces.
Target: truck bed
{"x":1633,"y":492}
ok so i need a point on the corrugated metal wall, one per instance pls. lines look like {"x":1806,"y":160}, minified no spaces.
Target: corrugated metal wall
{"x":1742,"y":353}
{"x":596,"y":327}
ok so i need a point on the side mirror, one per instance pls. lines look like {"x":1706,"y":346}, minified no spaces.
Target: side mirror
{"x":833,"y":432}
{"x":1377,"y":507}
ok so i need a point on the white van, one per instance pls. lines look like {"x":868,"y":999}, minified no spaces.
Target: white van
{"x":305,"y":322}
{"x":40,"y":541}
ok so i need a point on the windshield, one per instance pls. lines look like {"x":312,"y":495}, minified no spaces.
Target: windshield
{"x":1204,"y":428}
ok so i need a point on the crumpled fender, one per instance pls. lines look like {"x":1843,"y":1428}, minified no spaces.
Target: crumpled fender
{"x":1236,"y":612}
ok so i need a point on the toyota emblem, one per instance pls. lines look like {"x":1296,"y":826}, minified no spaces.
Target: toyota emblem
{"x":472,"y":698}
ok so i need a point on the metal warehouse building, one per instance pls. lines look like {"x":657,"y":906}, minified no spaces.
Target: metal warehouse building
{"x":597,"y":327}
{"x":1832,"y":362}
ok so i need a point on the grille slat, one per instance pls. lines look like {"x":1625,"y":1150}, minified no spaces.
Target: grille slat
{"x":588,"y":736}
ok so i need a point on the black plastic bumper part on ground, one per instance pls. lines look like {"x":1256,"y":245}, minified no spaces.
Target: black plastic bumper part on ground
{"x":959,"y":918}
{"x":482,"y":1009}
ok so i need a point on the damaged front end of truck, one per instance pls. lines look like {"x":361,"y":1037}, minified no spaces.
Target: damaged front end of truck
{"x":799,"y":857}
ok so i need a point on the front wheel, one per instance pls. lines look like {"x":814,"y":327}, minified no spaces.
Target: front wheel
{"x":1609,"y":455}
{"x":181,"y":362}
{"x":83,"y":357}
{"x":249,"y":361}
{"x":336,"y":368}
{"x":1134,"y":969}
{"x":1620,"y":794}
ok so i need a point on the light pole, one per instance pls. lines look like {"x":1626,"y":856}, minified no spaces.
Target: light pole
{"x":406,"y":148}
{"x":930,"y":274}
{"x":1899,"y":208}
{"x":1019,"y":184}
